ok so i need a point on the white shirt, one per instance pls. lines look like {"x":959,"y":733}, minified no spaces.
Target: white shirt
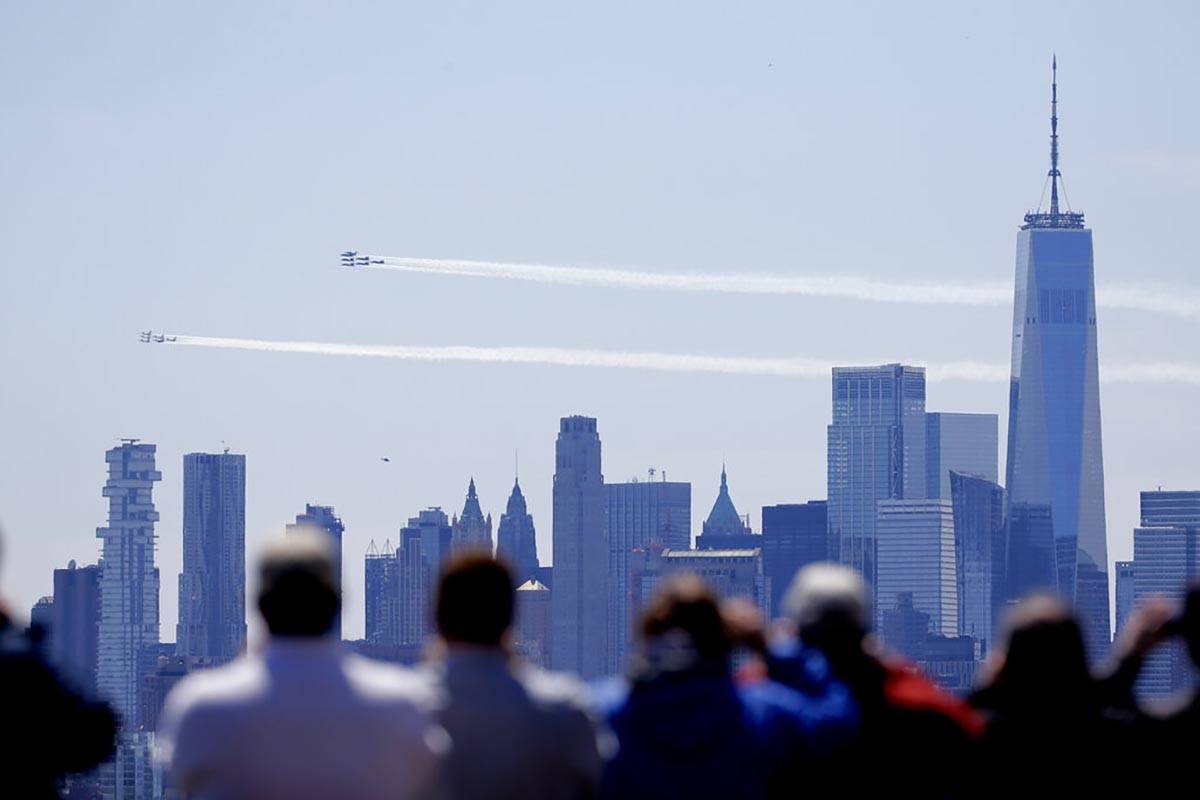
{"x":304,"y":719}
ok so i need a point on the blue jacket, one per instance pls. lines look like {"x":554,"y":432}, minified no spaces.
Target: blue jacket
{"x":694,"y":733}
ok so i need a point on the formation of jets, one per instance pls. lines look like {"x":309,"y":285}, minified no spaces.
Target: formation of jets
{"x":150,"y":336}
{"x":351,"y":259}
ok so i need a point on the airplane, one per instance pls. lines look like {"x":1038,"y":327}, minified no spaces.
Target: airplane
{"x":144,"y":336}
{"x":160,"y":338}
{"x":385,"y":459}
{"x":349,"y":253}
{"x":376,"y":260}
{"x":171,"y":338}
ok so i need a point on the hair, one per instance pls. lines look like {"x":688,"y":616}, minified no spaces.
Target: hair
{"x":1043,"y":660}
{"x":475,"y":599}
{"x":685,"y":604}
{"x":824,"y":595}
{"x":298,"y":593}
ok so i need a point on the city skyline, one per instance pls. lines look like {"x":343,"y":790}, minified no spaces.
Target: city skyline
{"x":744,"y":140}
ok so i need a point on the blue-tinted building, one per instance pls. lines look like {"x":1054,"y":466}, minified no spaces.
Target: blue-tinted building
{"x":76,"y":623}
{"x":979,"y":551}
{"x":1055,"y":466}
{"x":793,"y":536}
{"x":425,"y":542}
{"x":876,"y":451}
{"x":212,"y":586}
{"x":381,"y":595}
{"x":959,"y":442}
{"x":1124,"y":574}
{"x":324,"y":519}
{"x":471,"y":529}
{"x":516,"y":539}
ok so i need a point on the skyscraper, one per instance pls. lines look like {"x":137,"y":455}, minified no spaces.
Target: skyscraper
{"x":793,"y":536}
{"x":980,"y":554}
{"x":128,"y":580}
{"x":725,"y":529}
{"x":381,"y":595}
{"x":1124,"y":572}
{"x":966,"y":443}
{"x":639,"y":514}
{"x":471,"y":530}
{"x":532,"y":634}
{"x":424,"y":543}
{"x":516,"y":541}
{"x":323,"y":518}
{"x":915,"y":545}
{"x":579,"y":598}
{"x":76,"y":622}
{"x":876,"y":451}
{"x":212,"y":586}
{"x":1166,"y":558}
{"x":1055,"y":466}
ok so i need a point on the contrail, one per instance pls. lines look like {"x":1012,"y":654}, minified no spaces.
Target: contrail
{"x":1178,"y":301}
{"x":979,"y":371}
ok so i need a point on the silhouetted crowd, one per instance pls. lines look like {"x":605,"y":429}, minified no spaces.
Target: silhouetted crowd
{"x":715,"y":705}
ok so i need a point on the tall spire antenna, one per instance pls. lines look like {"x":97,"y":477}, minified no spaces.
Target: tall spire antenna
{"x":1054,"y":173}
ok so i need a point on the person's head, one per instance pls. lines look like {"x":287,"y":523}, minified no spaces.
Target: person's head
{"x":830,"y":606}
{"x":1041,"y":655}
{"x":298,"y":595}
{"x":1189,"y":621}
{"x":475,"y":598}
{"x":684,"y":618}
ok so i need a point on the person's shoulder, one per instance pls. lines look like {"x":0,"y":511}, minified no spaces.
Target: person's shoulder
{"x":231,"y":683}
{"x":382,"y":681}
{"x":553,"y":689}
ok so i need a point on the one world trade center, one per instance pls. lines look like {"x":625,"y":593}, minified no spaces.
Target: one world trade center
{"x":1056,"y":529}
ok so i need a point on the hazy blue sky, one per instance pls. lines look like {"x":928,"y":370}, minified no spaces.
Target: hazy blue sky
{"x":198,"y":169}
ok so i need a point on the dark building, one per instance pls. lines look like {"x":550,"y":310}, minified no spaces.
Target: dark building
{"x":725,"y":528}
{"x":157,"y":684}
{"x":424,"y":544}
{"x":212,"y":586}
{"x":516,"y":541}
{"x":323,"y":518}
{"x":381,"y":594}
{"x":979,"y":552}
{"x":76,"y":623}
{"x":794,"y":535}
{"x":471,"y":529}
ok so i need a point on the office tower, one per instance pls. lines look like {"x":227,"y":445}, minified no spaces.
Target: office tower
{"x":980,"y":554}
{"x":730,"y":573}
{"x":323,"y":518}
{"x":1166,"y":558}
{"x":876,"y":451}
{"x":158,"y":683}
{"x":471,"y":530}
{"x":1125,"y":593}
{"x":212,"y":586}
{"x":915,"y":551}
{"x":532,"y":639}
{"x":725,"y":528}
{"x":579,"y":597}
{"x":640,"y":514}
{"x":424,"y":544}
{"x":381,"y":595}
{"x":793,"y":536}
{"x":1055,"y":467}
{"x":41,"y":616}
{"x":76,"y":623}
{"x":516,"y":542}
{"x":965,"y":443}
{"x":128,"y":580}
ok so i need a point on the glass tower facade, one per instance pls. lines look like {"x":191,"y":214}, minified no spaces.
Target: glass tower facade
{"x":1055,"y":477}
{"x":323,"y":518}
{"x":876,"y":451}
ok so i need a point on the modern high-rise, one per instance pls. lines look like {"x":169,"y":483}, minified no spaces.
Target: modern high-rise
{"x":129,"y":580}
{"x":876,"y":451}
{"x":1166,"y":558}
{"x":793,"y":536}
{"x":640,"y":513}
{"x":381,"y":595}
{"x":1055,"y":465}
{"x":532,"y":635}
{"x":579,"y":597}
{"x":958,"y":442}
{"x":516,"y":540}
{"x":212,"y":586}
{"x":323,"y":519}
{"x":1126,"y":592}
{"x":915,"y":546}
{"x":471,"y":530}
{"x":76,"y":623}
{"x":725,"y":528}
{"x":424,"y":544}
{"x":980,"y":555}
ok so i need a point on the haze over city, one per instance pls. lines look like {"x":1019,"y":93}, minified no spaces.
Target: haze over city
{"x":204,"y":183}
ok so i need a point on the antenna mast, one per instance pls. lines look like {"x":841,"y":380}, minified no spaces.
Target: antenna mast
{"x":1054,"y":173}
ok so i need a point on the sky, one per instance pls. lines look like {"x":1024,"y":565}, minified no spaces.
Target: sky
{"x":198,"y":169}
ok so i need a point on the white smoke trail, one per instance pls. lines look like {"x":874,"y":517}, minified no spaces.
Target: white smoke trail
{"x":977,"y":371}
{"x":1178,"y":301}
